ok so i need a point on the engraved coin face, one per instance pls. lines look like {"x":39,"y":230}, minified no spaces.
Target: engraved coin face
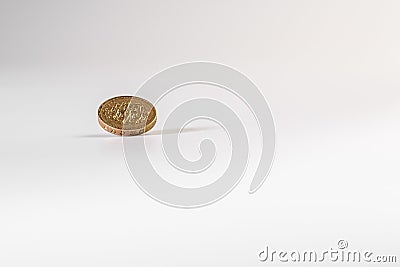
{"x":127,"y":115}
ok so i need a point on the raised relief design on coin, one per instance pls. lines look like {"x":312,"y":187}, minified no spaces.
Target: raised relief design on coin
{"x":127,"y":115}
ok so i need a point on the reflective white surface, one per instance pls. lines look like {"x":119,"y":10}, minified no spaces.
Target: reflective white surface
{"x":329,"y":70}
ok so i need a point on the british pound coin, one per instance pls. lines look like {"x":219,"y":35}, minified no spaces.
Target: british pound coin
{"x":127,"y":115}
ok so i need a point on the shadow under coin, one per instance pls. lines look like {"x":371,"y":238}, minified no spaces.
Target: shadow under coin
{"x":184,"y":130}
{"x":155,"y":132}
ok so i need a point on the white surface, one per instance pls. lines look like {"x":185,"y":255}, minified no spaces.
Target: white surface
{"x":329,"y":70}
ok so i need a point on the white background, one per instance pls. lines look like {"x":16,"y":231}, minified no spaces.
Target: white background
{"x":329,"y":70}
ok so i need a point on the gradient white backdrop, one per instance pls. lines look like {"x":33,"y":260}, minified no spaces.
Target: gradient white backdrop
{"x":330,"y":71}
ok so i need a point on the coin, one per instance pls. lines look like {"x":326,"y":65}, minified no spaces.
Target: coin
{"x":127,"y":115}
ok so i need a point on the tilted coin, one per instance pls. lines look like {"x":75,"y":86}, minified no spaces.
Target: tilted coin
{"x":127,"y":115}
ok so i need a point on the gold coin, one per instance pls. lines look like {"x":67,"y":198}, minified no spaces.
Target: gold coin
{"x":127,"y":115}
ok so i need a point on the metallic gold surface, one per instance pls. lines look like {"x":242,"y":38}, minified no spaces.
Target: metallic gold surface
{"x":127,"y":115}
